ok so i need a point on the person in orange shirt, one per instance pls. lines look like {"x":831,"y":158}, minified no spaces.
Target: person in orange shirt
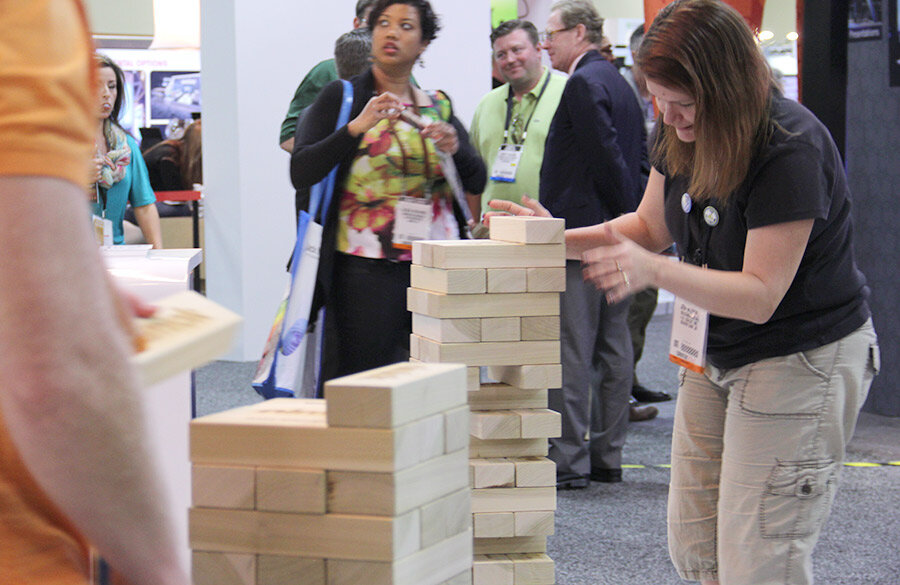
{"x":73,"y":465}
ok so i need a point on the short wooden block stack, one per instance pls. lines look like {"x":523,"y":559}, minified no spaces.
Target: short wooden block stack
{"x":369,"y":486}
{"x":494,"y":304}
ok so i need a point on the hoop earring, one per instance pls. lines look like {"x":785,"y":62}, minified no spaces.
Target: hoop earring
{"x":421,"y":61}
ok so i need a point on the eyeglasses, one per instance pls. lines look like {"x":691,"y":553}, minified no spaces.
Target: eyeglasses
{"x":547,"y":35}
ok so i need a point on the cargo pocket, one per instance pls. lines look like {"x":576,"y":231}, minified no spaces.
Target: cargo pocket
{"x":796,"y":498}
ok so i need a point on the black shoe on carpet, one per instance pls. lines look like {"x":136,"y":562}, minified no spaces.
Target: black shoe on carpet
{"x":571,"y":481}
{"x":606,"y":475}
{"x":642,"y":394}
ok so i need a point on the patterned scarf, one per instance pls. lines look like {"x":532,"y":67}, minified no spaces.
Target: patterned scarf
{"x":117,"y":159}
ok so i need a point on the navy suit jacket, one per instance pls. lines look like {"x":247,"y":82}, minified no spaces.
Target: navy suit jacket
{"x":591,"y":170}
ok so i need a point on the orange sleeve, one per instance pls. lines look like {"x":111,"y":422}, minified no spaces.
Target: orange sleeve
{"x":47,"y":102}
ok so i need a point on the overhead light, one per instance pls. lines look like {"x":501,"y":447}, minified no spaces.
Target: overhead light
{"x":176,"y":24}
{"x":792,"y":36}
{"x":765,"y":35}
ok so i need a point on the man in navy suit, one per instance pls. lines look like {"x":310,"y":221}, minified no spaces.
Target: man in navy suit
{"x":590,"y":173}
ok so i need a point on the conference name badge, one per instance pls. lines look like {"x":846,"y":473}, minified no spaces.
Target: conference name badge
{"x":412,"y":221}
{"x":506,"y":163}
{"x":687,"y":347}
{"x":103,"y":231}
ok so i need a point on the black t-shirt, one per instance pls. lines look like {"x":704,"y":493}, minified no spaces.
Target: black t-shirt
{"x":797,"y":175}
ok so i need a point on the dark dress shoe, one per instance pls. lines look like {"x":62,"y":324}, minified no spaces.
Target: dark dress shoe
{"x":571,"y":481}
{"x":642,"y":394}
{"x":639,"y":413}
{"x":604,"y":475}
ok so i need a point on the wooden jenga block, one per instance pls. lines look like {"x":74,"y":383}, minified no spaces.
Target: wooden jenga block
{"x":506,"y":280}
{"x":300,"y":491}
{"x":456,"y":429}
{"x":494,"y":525}
{"x":451,"y":282}
{"x":495,"y":305}
{"x":534,"y":523}
{"x":473,"y":378}
{"x":282,"y":569}
{"x":431,"y":566}
{"x":496,"y":424}
{"x":486,"y":254}
{"x":448,"y":330}
{"x":545,"y":279}
{"x":492,"y":570}
{"x":446,"y":517}
{"x":394,"y":395}
{"x":517,"y":544}
{"x":540,"y":328}
{"x":533,"y":569}
{"x":501,"y":329}
{"x":392,"y":494}
{"x":219,"y":568}
{"x":540,"y":423}
{"x":489,"y":473}
{"x":330,"y":536}
{"x":214,"y":486}
{"x":496,"y":353}
{"x":513,"y":499}
{"x":535,"y":472}
{"x":507,"y":448}
{"x":528,"y":376}
{"x":284,"y":433}
{"x":505,"y":397}
{"x":528,"y":230}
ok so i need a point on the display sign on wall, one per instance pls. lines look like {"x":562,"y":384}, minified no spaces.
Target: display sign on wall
{"x":865,"y":20}
{"x":751,"y":10}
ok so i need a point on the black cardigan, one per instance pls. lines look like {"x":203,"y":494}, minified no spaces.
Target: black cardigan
{"x":318,"y":147}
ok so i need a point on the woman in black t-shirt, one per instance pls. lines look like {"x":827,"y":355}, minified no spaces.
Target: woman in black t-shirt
{"x":751,"y":188}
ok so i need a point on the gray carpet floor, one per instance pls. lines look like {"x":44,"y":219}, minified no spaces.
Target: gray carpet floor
{"x":616,"y":533}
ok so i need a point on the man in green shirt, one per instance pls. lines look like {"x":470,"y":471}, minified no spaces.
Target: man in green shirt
{"x":317,"y":78}
{"x":511,"y":122}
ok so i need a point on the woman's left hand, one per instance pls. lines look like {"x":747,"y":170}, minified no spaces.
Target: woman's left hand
{"x":619,"y":267}
{"x":443,"y":135}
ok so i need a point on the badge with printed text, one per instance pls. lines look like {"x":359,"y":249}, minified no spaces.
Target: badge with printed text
{"x":103,"y":231}
{"x":507,"y":163}
{"x":412,"y":221}
{"x":687,"y":346}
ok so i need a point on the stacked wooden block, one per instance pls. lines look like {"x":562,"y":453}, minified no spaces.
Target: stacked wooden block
{"x":368,"y":487}
{"x":493,"y":305}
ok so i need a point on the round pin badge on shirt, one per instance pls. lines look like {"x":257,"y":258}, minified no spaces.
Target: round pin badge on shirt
{"x":711,"y":216}
{"x":686,"y":203}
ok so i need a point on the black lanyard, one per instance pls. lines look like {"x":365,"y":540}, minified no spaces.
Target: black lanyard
{"x":509,"y":109}
{"x":700,"y":255}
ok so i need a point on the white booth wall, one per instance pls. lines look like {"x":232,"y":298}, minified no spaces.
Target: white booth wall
{"x":253,"y":54}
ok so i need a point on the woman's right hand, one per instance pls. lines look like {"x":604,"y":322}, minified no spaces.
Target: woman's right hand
{"x":380,"y":107}
{"x":529,"y":207}
{"x":98,"y":161}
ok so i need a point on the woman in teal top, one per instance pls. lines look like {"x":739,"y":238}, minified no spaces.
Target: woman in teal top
{"x":120,"y":172}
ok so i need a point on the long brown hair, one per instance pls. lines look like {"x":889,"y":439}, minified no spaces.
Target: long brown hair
{"x":705,"y":49}
{"x":188,"y":155}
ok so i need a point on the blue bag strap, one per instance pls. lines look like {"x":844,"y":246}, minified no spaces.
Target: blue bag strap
{"x":321,"y":192}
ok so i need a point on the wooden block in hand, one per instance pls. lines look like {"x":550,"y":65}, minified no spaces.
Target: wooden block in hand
{"x":528,"y":376}
{"x":513,"y":499}
{"x":536,"y":423}
{"x":394,"y":395}
{"x":501,"y":328}
{"x":187,"y":331}
{"x":451,"y":282}
{"x":216,"y":486}
{"x":300,"y":491}
{"x":545,"y":279}
{"x":495,"y":305}
{"x":540,"y":328}
{"x":506,"y":280}
{"x":528,"y":230}
{"x":219,"y":568}
{"x":494,"y":353}
{"x":486,"y":254}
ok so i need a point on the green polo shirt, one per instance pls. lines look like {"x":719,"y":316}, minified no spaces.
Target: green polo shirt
{"x":487,"y":135}
{"x":317,"y":78}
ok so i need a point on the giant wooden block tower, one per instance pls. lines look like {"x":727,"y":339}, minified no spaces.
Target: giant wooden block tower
{"x":494,"y":304}
{"x":369,"y":486}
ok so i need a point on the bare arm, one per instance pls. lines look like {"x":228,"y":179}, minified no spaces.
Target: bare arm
{"x":148,"y":219}
{"x":67,"y":395}
{"x":288,"y":144}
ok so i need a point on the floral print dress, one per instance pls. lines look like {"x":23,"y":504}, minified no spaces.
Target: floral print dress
{"x":394,"y":161}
